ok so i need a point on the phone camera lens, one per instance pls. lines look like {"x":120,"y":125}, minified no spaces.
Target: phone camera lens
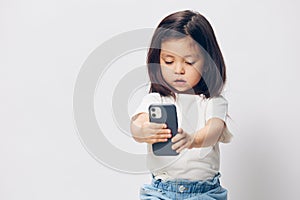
{"x":153,"y":109}
{"x":153,"y":115}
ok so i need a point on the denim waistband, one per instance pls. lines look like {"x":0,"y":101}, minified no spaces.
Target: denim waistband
{"x":187,"y":186}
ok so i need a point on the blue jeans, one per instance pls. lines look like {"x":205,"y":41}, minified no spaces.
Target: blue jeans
{"x":184,"y":189}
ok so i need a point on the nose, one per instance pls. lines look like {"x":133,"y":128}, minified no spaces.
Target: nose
{"x":179,"y":69}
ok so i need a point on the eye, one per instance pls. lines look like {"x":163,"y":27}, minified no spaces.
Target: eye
{"x":190,"y":63}
{"x":168,"y":62}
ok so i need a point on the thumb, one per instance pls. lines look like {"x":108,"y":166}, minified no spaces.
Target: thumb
{"x":180,"y":130}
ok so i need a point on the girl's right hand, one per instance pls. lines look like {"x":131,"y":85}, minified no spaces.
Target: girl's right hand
{"x":153,"y":132}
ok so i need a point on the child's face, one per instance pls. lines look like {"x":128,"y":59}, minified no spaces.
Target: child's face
{"x":181,"y":63}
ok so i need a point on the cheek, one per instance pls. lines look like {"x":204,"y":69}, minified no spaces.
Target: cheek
{"x":165,"y":70}
{"x":194,"y":76}
{"x":164,"y":73}
{"x":200,"y":68}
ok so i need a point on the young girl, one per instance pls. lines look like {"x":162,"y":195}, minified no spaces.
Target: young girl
{"x":186,"y":68}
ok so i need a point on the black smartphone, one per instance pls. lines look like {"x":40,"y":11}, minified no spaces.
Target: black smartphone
{"x":164,"y":113}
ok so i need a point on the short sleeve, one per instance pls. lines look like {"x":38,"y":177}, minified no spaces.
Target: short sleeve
{"x":149,"y":99}
{"x":217,"y":107}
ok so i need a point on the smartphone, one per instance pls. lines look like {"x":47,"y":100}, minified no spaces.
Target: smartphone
{"x":164,"y":113}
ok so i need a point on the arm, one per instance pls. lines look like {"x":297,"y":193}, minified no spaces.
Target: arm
{"x":205,"y":137}
{"x":209,"y":135}
{"x":144,"y":131}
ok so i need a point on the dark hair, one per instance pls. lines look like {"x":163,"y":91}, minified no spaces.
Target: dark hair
{"x":178,"y":25}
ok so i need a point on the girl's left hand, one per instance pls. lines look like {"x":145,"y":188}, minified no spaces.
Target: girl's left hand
{"x":182,"y":140}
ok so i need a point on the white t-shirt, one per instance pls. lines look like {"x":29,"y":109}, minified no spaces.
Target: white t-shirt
{"x":193,"y":111}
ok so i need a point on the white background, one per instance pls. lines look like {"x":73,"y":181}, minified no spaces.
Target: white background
{"x":43,"y":45}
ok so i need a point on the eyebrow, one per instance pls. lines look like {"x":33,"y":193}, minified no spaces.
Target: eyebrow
{"x":168,"y":55}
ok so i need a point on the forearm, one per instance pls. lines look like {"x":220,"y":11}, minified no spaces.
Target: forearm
{"x":136,"y":127}
{"x":209,"y":135}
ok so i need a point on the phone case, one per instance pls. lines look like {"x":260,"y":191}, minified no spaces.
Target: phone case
{"x":168,"y":115}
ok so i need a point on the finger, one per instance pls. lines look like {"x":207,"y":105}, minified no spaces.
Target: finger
{"x":179,"y":144}
{"x":154,"y":134}
{"x":182,"y":148}
{"x":161,"y":131}
{"x":152,"y":141}
{"x":160,"y":136}
{"x":177,"y":137}
{"x":157,"y":125}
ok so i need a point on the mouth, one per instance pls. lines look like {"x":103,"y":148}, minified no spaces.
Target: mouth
{"x":180,"y":81}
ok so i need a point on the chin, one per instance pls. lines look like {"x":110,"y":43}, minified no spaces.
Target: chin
{"x":181,"y":89}
{"x":185,"y":90}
